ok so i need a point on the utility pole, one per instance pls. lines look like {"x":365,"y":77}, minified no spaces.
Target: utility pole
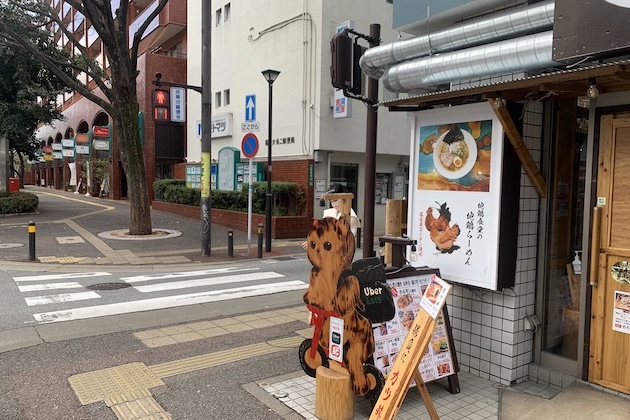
{"x":206,"y":134}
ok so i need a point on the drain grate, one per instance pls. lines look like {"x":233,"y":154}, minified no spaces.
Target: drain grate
{"x":108,"y":286}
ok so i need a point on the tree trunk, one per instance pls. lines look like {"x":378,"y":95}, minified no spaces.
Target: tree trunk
{"x":128,"y":135}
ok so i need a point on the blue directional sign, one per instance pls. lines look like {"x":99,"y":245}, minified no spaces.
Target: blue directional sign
{"x":250,"y":107}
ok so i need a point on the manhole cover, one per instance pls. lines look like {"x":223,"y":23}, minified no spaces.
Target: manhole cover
{"x":108,"y":286}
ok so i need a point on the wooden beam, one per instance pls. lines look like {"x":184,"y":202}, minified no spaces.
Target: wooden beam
{"x":521,"y":149}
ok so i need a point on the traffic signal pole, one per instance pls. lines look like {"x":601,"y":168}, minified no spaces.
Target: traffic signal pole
{"x":370,"y":151}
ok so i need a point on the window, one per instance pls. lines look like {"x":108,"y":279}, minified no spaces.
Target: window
{"x":218,"y":15}
{"x":226,"y":12}
{"x":381,"y":193}
{"x":226,"y":97}
{"x":217,"y":99}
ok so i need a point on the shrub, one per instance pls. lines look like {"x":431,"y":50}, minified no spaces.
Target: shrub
{"x":289,"y":199}
{"x":160,"y":186}
{"x":19,"y":202}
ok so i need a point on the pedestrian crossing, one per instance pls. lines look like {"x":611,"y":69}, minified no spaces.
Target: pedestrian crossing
{"x":62,"y":297}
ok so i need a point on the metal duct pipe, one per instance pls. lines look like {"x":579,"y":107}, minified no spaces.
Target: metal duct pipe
{"x":536,"y":18}
{"x":512,"y":55}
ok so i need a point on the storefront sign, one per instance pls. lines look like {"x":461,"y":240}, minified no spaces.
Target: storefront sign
{"x":56,"y":146}
{"x":456,"y":191}
{"x":68,"y":153}
{"x":83,"y":149}
{"x":100,"y":144}
{"x":437,"y":360}
{"x":67,"y":142}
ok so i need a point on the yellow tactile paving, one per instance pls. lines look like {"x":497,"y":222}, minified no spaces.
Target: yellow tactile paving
{"x":191,"y":364}
{"x":95,"y":386}
{"x":125,"y":389}
{"x":206,"y":329}
{"x":121,"y":398}
{"x":138,"y":409}
{"x":62,"y":260}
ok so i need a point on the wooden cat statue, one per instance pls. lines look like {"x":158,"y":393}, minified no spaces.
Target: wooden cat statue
{"x":330,"y":249}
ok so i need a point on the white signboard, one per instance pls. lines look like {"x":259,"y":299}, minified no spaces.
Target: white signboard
{"x":68,"y":153}
{"x":56,"y":146}
{"x":67,"y":142}
{"x":455,"y":189}
{"x":250,"y":127}
{"x":57,"y":155}
{"x":100,"y":144}
{"x":178,"y":104}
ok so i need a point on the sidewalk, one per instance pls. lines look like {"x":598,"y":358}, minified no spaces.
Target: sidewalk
{"x":75,"y":230}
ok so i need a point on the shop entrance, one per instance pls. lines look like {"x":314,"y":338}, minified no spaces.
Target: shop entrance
{"x":609,"y":362}
{"x":563,"y":236}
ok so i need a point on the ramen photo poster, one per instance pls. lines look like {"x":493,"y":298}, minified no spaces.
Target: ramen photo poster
{"x":456,"y":190}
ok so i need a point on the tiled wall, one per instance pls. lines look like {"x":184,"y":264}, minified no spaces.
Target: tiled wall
{"x":488,"y":326}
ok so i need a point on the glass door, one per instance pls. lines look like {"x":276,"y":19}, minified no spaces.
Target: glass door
{"x":563,"y":236}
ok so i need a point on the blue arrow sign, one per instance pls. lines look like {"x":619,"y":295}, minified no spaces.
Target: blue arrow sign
{"x":250,"y":107}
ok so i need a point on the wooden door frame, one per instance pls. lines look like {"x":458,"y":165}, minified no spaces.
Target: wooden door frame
{"x":595,"y":116}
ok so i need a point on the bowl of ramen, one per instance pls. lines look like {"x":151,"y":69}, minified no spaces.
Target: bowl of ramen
{"x":454,"y":153}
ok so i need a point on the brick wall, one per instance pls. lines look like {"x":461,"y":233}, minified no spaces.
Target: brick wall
{"x":282,"y":227}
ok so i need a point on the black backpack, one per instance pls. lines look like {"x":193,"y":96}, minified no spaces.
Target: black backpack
{"x":376,"y":295}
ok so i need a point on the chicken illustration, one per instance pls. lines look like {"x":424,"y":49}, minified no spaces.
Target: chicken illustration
{"x":442,"y":235}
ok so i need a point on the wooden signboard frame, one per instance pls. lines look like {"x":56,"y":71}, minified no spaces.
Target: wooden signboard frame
{"x":406,"y":366}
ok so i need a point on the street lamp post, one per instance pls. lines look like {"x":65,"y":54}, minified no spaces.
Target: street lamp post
{"x":270,"y":77}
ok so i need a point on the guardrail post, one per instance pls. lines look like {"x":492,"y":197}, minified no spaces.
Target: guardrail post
{"x":230,"y":243}
{"x":31,"y":241}
{"x":260,"y":239}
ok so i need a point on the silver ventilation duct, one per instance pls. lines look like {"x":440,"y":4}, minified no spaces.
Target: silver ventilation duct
{"x":512,"y":55}
{"x":536,"y":18}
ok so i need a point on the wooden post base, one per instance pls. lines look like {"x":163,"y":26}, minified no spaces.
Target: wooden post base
{"x":334,"y":398}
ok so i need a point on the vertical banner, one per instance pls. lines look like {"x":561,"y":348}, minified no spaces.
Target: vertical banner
{"x":456,"y":190}
{"x":73,"y":173}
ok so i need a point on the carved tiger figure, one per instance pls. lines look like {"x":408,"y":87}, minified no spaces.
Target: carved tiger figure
{"x":330,"y":249}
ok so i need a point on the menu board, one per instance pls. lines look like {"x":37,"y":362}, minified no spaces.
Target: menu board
{"x":437,"y":360}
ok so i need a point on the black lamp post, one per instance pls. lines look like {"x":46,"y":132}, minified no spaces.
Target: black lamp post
{"x":270,"y":77}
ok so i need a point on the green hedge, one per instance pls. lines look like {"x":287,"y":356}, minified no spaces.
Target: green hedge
{"x":18,"y":202}
{"x":289,"y":198}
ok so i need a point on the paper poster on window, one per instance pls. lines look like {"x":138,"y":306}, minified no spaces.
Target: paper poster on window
{"x":455,"y":187}
{"x":621,"y":312}
{"x":437,"y":361}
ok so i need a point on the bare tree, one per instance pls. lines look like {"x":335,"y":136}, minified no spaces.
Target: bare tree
{"x":28,"y":26}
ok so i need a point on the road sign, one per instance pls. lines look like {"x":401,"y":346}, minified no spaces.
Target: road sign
{"x":249,"y":145}
{"x":248,"y":126}
{"x":250,"y":107}
{"x":178,"y":104}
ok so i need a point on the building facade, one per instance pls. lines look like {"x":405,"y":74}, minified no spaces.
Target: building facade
{"x":564,"y":305}
{"x":162,"y":49}
{"x":311,"y":122}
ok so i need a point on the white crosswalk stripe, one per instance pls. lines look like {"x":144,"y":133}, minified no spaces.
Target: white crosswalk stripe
{"x":147,"y":292}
